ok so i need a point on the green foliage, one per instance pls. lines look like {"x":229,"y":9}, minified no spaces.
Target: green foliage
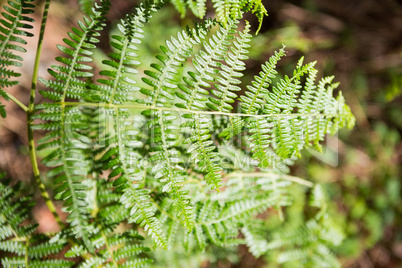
{"x":151,"y":151}
{"x":71,"y":167}
{"x":26,"y":247}
{"x":309,"y":245}
{"x":86,"y":6}
{"x":225,"y":9}
{"x":13,"y":30}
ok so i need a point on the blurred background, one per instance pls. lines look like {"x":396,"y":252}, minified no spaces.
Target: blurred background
{"x":360,"y":42}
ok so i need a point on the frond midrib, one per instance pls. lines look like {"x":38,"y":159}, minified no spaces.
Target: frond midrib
{"x":193,"y":111}
{"x":119,"y":70}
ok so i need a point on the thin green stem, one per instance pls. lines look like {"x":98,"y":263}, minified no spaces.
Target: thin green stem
{"x":38,"y":56}
{"x":26,"y":252}
{"x":14,"y":99}
{"x":270,"y":175}
{"x":29,"y":111}
{"x":176,"y":109}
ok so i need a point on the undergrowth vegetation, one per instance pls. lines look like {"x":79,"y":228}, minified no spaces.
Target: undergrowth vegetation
{"x":176,"y":158}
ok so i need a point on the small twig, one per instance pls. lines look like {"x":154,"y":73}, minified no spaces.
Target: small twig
{"x":14,"y":99}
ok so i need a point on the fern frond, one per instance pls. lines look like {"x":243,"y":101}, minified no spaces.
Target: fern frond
{"x":82,"y":40}
{"x":121,"y":156}
{"x":202,"y":151}
{"x":254,"y":99}
{"x":221,"y":223}
{"x":256,"y":244}
{"x":21,"y":262}
{"x":228,"y":78}
{"x":167,"y":165}
{"x":162,"y":85}
{"x":113,"y":246}
{"x":66,"y":123}
{"x":13,"y":213}
{"x":256,"y":7}
{"x":220,"y":216}
{"x":19,"y":238}
{"x":181,"y":6}
{"x":293,"y":120}
{"x":310,"y":243}
{"x":225,"y":9}
{"x":282,"y":99}
{"x":13,"y":30}
{"x":163,"y":78}
{"x":260,"y":143}
{"x":118,"y":248}
{"x":41,"y":247}
{"x":86,"y":6}
{"x":228,"y":9}
{"x":345,"y":116}
{"x":119,"y":80}
{"x":123,"y":160}
{"x":206,"y":64}
{"x":197,"y":7}
{"x":142,"y":212}
{"x":115,"y":88}
{"x":127,"y":168}
{"x":307,"y":245}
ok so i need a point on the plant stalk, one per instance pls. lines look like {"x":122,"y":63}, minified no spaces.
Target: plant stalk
{"x":14,"y":99}
{"x":30,"y":111}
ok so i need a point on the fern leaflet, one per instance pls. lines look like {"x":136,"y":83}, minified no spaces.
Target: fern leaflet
{"x":13,"y":29}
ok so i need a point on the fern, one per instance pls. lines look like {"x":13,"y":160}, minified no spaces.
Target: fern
{"x":114,"y":248}
{"x":161,"y":92}
{"x":13,"y":30}
{"x":256,"y":241}
{"x":28,"y":248}
{"x":159,"y":151}
{"x":310,"y":244}
{"x":197,"y":7}
{"x":221,"y":217}
{"x":225,"y":9}
{"x":123,"y":160}
{"x":86,"y":6}
{"x":71,"y":166}
{"x":181,"y":6}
